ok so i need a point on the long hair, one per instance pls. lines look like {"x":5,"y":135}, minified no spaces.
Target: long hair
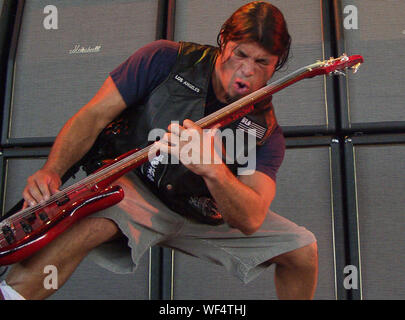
{"x":260,"y":22}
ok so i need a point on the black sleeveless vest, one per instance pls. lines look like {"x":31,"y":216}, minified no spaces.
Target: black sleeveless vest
{"x":181,"y":96}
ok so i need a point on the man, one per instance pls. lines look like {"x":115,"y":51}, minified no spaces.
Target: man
{"x":204,"y":209}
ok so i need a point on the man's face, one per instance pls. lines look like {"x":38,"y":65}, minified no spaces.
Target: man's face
{"x":242,"y":67}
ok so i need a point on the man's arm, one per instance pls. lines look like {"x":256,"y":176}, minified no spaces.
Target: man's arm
{"x":74,"y":140}
{"x":243,"y":201}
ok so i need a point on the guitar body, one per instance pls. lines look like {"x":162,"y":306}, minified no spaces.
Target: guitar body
{"x":46,"y":224}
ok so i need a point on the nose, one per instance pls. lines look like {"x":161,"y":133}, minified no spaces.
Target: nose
{"x":247,"y":68}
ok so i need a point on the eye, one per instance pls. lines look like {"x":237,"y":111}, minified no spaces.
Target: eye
{"x":263,"y":62}
{"x":240,"y":54}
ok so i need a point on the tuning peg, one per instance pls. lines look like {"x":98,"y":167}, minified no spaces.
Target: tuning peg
{"x":356,"y":67}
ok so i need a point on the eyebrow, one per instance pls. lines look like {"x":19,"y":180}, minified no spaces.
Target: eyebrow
{"x":241,"y":52}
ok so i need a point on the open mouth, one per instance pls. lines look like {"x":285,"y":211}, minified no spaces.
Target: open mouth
{"x":241,"y":86}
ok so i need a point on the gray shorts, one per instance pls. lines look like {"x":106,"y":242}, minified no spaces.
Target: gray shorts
{"x":146,"y":222}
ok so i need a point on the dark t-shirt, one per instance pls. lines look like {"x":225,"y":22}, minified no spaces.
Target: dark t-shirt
{"x":150,"y":65}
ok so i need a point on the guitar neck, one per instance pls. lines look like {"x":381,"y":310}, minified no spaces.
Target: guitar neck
{"x":232,"y":111}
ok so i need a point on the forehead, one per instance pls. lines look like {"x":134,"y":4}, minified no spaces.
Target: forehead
{"x":250,"y":48}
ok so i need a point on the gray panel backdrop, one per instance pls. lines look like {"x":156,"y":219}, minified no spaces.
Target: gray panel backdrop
{"x":304,"y":103}
{"x":89,"y":281}
{"x":380,"y":180}
{"x":377,"y":95}
{"x":53,"y":78}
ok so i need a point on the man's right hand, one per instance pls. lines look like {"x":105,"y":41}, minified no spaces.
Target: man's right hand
{"x":40,"y":186}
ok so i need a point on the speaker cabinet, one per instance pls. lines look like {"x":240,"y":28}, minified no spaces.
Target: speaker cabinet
{"x":376,"y":177}
{"x":89,"y":281}
{"x":303,"y":108}
{"x":62,"y":53}
{"x":374,"y":98}
{"x":308,"y":193}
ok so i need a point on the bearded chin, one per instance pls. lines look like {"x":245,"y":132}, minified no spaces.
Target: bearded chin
{"x":230,"y":99}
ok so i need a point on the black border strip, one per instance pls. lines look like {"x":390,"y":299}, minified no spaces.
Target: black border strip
{"x":171,"y":16}
{"x":14,"y":30}
{"x":378,"y":139}
{"x":340,"y":83}
{"x":376,"y":127}
{"x":339,"y":221}
{"x":352,"y":234}
{"x":161,"y":268}
{"x":7,"y":15}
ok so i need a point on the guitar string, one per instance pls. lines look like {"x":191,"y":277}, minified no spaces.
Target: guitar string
{"x":92,"y":179}
{"x":86,"y":182}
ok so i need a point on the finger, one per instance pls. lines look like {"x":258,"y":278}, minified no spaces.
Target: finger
{"x":44,"y":189}
{"x":161,"y":146}
{"x":25,"y":205}
{"x":216,"y":127}
{"x":35,"y":191}
{"x":170,"y":139}
{"x":176,"y":128}
{"x":189,"y":124}
{"x":29,"y":199}
{"x":214,"y":131}
{"x":153,"y":152}
{"x":54,"y":186}
{"x":165,"y":139}
{"x":167,"y":149}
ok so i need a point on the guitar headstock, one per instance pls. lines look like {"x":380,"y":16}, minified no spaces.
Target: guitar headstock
{"x":337,"y":65}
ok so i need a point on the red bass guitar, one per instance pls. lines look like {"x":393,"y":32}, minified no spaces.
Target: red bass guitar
{"x":28,"y":230}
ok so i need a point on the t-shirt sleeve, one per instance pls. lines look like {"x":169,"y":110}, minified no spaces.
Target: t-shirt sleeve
{"x":144,"y":70}
{"x":270,"y":155}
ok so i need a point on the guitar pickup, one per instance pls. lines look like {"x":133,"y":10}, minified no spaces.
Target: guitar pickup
{"x":64,"y":200}
{"x":31,"y":218}
{"x":26,"y":226}
{"x":43,"y":216}
{"x":8,"y":234}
